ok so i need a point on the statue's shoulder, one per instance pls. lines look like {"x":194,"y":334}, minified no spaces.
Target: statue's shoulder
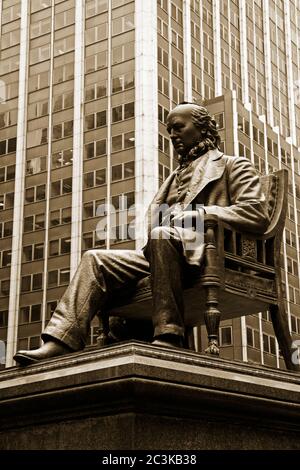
{"x":231,"y":160}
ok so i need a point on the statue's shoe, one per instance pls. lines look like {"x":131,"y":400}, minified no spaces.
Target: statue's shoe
{"x":49,"y":349}
{"x":168,"y":341}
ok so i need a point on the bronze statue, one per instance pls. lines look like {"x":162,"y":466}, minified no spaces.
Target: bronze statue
{"x":206,"y":181}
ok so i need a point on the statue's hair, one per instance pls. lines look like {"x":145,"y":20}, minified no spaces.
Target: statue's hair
{"x":208,"y":126}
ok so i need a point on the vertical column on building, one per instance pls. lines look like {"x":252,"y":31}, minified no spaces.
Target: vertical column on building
{"x":201,"y":48}
{"x":108,"y":146}
{"x":297,"y":221}
{"x":289,"y":68}
{"x":292,"y":140}
{"x":268,"y":66}
{"x":244,"y":52}
{"x":171,"y":97}
{"x":217,"y":47}
{"x":286,"y":277}
{"x":77,"y":176}
{"x":261,"y":341}
{"x":236,"y":152}
{"x":146,"y":109}
{"x":16,"y":255}
{"x":48,"y":185}
{"x":187,"y":52}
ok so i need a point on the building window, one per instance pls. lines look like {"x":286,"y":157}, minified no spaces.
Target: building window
{"x":63,"y":45}
{"x":5,"y":257}
{"x":32,"y":282}
{"x":122,"y":24}
{"x":94,"y":178}
{"x":64,"y":72}
{"x":123,"y":53}
{"x":63,"y":101}
{"x":122,"y":171}
{"x":59,"y":247}
{"x":122,"y":141}
{"x":34,"y":222}
{"x":90,"y":240}
{"x":64,"y":129}
{"x":7,"y":173}
{"x":162,"y":56}
{"x":96,"y":91}
{"x":3,"y":318}
{"x":64,"y":18}
{"x":96,"y":62}
{"x":5,"y":286}
{"x":33,"y":252}
{"x":8,"y":146}
{"x":269,"y":344}
{"x":62,"y":158}
{"x":123,"y":201}
{"x":253,"y":340}
{"x":225,"y":334}
{"x":32,"y":342}
{"x":124,"y":111}
{"x":219,"y":118}
{"x":163,"y":172}
{"x":94,"y":7}
{"x":60,"y":187}
{"x":6,"y":229}
{"x":58,"y":277}
{"x":36,"y":165}
{"x":30,"y":313}
{"x":122,"y":82}
{"x":95,"y":149}
{"x":163,"y":87}
{"x":90,"y":208}
{"x":51,"y":306}
{"x":35,"y":193}
{"x":96,"y":33}
{"x":162,"y":114}
{"x":163,"y":144}
{"x":95,"y":120}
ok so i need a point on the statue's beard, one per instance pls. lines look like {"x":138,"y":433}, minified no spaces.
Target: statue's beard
{"x":199,"y":149}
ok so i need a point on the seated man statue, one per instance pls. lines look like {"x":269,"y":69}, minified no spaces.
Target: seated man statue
{"x":226,"y":186}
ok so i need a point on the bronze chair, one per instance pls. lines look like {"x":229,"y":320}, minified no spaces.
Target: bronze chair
{"x":241,"y":276}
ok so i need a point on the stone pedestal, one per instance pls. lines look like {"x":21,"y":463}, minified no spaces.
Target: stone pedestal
{"x":138,"y":396}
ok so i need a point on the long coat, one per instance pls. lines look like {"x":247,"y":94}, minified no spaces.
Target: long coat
{"x":228,"y":187}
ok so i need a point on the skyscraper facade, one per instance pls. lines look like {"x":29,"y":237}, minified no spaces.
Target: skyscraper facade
{"x":85,"y":88}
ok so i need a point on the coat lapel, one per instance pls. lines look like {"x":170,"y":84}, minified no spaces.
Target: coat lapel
{"x":211,"y":170}
{"x":204,"y":173}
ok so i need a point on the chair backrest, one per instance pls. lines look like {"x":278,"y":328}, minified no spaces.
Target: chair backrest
{"x":275,"y":188}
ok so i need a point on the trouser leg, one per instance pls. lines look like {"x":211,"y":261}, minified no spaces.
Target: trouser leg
{"x":167,"y":263}
{"x":100,"y":275}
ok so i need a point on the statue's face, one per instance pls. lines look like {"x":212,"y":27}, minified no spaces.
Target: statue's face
{"x":183,"y":132}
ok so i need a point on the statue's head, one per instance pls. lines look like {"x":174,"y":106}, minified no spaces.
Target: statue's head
{"x":192,"y":128}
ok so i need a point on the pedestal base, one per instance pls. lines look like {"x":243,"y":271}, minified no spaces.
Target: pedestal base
{"x":138,"y":396}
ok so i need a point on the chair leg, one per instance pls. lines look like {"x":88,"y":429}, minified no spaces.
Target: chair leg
{"x":103,"y":330}
{"x":212,"y":320}
{"x":211,"y":283}
{"x":284,"y":338}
